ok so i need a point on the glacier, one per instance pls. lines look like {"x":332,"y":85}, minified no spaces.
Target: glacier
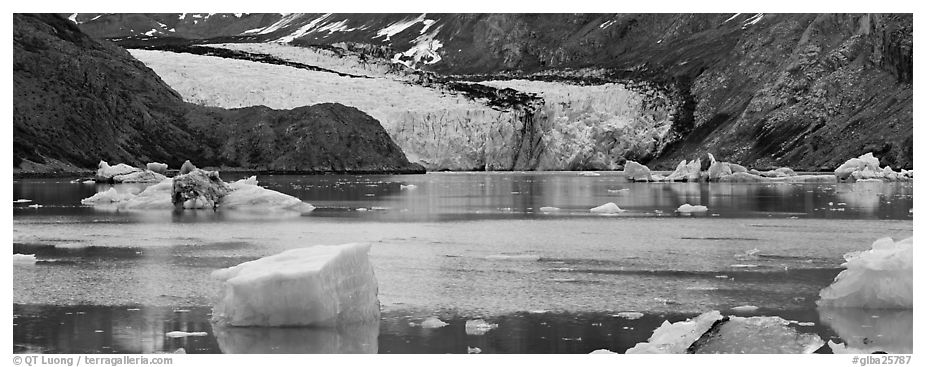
{"x":322,"y":286}
{"x":565,"y":126}
{"x":881,"y":277}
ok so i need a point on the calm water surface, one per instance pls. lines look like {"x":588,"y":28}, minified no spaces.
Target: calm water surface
{"x":459,"y":246}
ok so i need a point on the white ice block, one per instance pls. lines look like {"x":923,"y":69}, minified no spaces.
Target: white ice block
{"x":313,"y":286}
{"x":878,"y":278}
{"x":675,"y":338}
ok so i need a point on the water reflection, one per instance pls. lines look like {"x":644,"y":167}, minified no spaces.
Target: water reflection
{"x":359,"y":338}
{"x":867,"y":331}
{"x":484,"y":195}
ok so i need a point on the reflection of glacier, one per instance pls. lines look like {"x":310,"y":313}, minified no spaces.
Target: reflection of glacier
{"x":353,"y":338}
{"x":865,"y":331}
{"x":575,"y":127}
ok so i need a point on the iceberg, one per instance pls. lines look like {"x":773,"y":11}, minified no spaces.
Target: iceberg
{"x":408,"y":187}
{"x":634,"y":171}
{"x":108,"y":197}
{"x":123,"y":173}
{"x":245,"y":194}
{"x":314,"y":286}
{"x":865,"y":164}
{"x":609,"y":208}
{"x":589,"y":174}
{"x":602,"y":351}
{"x":878,"y":278}
{"x":24,"y":259}
{"x":105,"y":172}
{"x":675,"y":338}
{"x":688,"y":208}
{"x":433,"y":323}
{"x":157,"y":167}
{"x":478,"y":327}
{"x":745,"y":308}
{"x":358,"y":338}
{"x":756,"y":335}
{"x":686,"y":171}
{"x":717,"y":169}
{"x":548,"y":209}
{"x":184,"y":334}
{"x":629,"y":315}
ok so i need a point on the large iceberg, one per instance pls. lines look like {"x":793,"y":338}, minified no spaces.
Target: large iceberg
{"x":313,"y":286}
{"x":675,"y":338}
{"x":200,"y":190}
{"x":634,"y":171}
{"x":868,"y":167}
{"x":878,"y":278}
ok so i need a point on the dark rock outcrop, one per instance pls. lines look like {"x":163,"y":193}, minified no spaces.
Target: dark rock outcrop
{"x":78,"y":100}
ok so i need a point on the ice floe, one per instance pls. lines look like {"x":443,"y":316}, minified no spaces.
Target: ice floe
{"x":433,"y":323}
{"x":608,"y":208}
{"x":184,"y":334}
{"x":18,"y":201}
{"x":881,"y":277}
{"x":312,"y":286}
{"x":675,"y":338}
{"x":478,"y":327}
{"x":744,"y":308}
{"x":756,"y":335}
{"x":688,"y":208}
{"x":23,"y":259}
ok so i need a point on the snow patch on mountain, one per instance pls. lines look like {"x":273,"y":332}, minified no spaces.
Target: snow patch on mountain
{"x":424,"y":51}
{"x":302,"y":31}
{"x":397,"y":27}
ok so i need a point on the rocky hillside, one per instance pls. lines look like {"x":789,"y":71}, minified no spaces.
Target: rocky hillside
{"x":78,"y":100}
{"x":800,"y":90}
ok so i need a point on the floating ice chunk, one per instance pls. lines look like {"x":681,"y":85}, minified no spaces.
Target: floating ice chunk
{"x":17,"y":201}
{"x":433,"y":323}
{"x":473,"y":350}
{"x":23,"y":259}
{"x":157,"y":167}
{"x":105,"y":172}
{"x":111,"y":196}
{"x":617,"y":191}
{"x":183,"y":334}
{"x":408,"y":187}
{"x":313,"y":286}
{"x":688,"y":208}
{"x":139,"y":177}
{"x":629,"y":315}
{"x":479,"y":327}
{"x":35,"y":206}
{"x":745,"y":308}
{"x":756,"y":335}
{"x":686,"y":171}
{"x":352,"y":338}
{"x":589,"y":174}
{"x":878,"y":278}
{"x":245,"y":194}
{"x":549,"y":209}
{"x":602,"y":351}
{"x":865,"y":166}
{"x":609,"y":208}
{"x":634,"y":171}
{"x":88,"y":182}
{"x":675,"y":338}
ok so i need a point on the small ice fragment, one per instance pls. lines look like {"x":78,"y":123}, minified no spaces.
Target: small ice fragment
{"x":629,"y":315}
{"x":478,"y":327}
{"x":720,"y":276}
{"x":473,"y":350}
{"x":548,"y":209}
{"x":618,"y":191}
{"x":408,"y":187}
{"x":362,"y":209}
{"x":688,"y":208}
{"x":744,"y":266}
{"x":29,"y":201}
{"x":35,"y":206}
{"x":433,"y":323}
{"x":807,"y":323}
{"x":88,"y":182}
{"x":133,"y":309}
{"x":181,"y":311}
{"x":24,"y":259}
{"x":537,"y":311}
{"x":98,"y":331}
{"x":589,"y":174}
{"x":745,"y":308}
{"x":602,"y":351}
{"x":609,"y":208}
{"x":183,"y":334}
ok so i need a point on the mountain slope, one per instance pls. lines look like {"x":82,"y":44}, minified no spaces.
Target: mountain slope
{"x":77,"y":100}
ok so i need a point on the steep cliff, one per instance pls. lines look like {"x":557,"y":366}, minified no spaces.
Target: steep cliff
{"x":800,"y":90}
{"x":78,"y":100}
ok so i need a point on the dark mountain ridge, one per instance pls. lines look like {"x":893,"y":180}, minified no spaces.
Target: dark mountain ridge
{"x":78,"y":100}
